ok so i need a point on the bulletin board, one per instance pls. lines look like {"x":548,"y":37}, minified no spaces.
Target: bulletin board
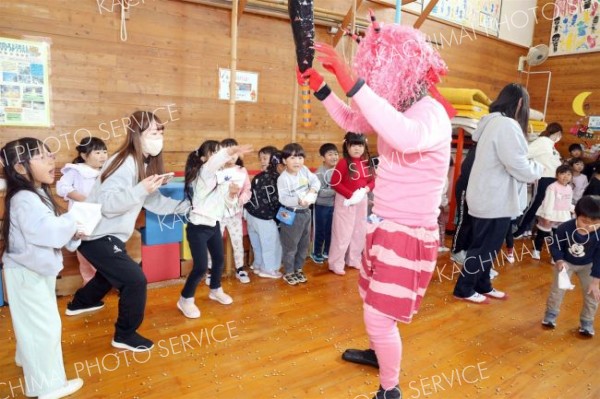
{"x":575,"y":27}
{"x":482,"y":15}
{"x":24,"y":86}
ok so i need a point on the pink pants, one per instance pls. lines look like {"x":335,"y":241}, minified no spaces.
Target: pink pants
{"x":348,"y":232}
{"x":398,"y":263}
{"x":85,"y":268}
{"x":384,"y":339}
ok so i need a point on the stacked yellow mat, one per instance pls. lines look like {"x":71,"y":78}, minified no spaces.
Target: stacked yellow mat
{"x":469,"y":103}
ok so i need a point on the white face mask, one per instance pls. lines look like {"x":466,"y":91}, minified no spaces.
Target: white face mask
{"x":152,"y":146}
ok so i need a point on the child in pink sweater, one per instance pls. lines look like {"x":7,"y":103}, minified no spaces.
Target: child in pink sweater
{"x":556,"y":208}
{"x":413,"y":139}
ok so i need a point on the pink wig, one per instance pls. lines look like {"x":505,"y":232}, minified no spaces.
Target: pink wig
{"x":398,"y":64}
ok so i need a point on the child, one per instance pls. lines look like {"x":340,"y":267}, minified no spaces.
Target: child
{"x":575,"y":151}
{"x":235,"y":172}
{"x":580,"y":181}
{"x":129,"y":181}
{"x":593,"y":187}
{"x":33,"y":234}
{"x":77,"y":181}
{"x":576,"y":247}
{"x":211,"y":195}
{"x":323,"y":213}
{"x":264,"y":156}
{"x":260,"y":216}
{"x":555,"y":209}
{"x":297,"y":188}
{"x":354,"y":178}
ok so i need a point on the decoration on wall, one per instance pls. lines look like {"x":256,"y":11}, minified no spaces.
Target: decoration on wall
{"x":246,"y":85}
{"x":578,"y":103}
{"x":581,"y":108}
{"x":483,"y":15}
{"x":575,"y":27}
{"x":24,"y":86}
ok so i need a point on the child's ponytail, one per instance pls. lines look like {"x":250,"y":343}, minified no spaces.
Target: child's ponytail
{"x":194,"y":163}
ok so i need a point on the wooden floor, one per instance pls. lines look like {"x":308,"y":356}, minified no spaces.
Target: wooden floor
{"x":278,"y":341}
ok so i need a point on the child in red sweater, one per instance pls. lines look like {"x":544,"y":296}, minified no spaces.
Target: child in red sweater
{"x":353,"y":178}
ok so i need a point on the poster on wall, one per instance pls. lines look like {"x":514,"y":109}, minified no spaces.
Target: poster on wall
{"x":575,"y":27}
{"x":482,"y":15}
{"x":246,"y":85}
{"x":24,"y":87}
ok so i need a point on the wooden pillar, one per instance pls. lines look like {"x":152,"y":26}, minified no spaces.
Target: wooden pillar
{"x":233,"y":69}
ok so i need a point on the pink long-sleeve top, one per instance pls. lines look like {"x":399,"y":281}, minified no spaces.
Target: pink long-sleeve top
{"x":346,"y":179}
{"x":414,"y":153}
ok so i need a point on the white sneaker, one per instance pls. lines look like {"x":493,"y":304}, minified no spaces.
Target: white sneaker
{"x":207,"y":281}
{"x":493,"y":274}
{"x":219,"y":296}
{"x":242,"y":275}
{"x":496,"y":294}
{"x":188,"y":308}
{"x":255,"y":270}
{"x":69,"y":388}
{"x":266,"y":274}
{"x":476,"y":298}
{"x":528,"y":233}
{"x":443,"y":249}
{"x":535,"y":254}
{"x":510,"y":258}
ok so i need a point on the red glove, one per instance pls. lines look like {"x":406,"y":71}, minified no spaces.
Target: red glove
{"x":336,"y":65}
{"x":315,"y":80}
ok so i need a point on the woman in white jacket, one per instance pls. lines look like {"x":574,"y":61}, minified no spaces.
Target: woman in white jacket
{"x":496,"y":192}
{"x":543,"y":152}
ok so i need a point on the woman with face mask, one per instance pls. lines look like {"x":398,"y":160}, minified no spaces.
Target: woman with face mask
{"x":128,"y":181}
{"x":542,"y":151}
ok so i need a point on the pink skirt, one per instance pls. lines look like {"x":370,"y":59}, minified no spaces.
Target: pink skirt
{"x":397,"y":266}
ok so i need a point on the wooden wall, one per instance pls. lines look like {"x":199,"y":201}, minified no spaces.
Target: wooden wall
{"x":571,"y":74}
{"x":172,"y":56}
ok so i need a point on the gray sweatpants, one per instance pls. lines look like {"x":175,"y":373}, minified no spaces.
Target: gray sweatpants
{"x":295,"y":240}
{"x":590,"y":305}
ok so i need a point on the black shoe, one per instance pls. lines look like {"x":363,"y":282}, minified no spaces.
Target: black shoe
{"x":367,"y":357}
{"x":135,"y":343}
{"x":394,"y":393}
{"x":73,"y":310}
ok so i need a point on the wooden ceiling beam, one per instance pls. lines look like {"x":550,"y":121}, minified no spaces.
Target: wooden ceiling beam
{"x":345,"y":22}
{"x":425,"y":14}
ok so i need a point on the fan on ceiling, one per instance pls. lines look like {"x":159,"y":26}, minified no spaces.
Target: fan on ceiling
{"x":536,"y":56}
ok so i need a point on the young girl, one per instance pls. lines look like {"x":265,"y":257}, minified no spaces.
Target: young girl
{"x":557,"y":207}
{"x":264,"y":156}
{"x":212,"y":195}
{"x":353,"y":178}
{"x":129,"y":181}
{"x":580,"y":181}
{"x":77,"y":181}
{"x":260,"y":215}
{"x":235,"y":172}
{"x":297,"y":187}
{"x":33,"y":234}
{"x":542,"y":151}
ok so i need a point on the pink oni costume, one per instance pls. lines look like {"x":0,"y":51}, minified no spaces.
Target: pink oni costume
{"x":396,"y":68}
